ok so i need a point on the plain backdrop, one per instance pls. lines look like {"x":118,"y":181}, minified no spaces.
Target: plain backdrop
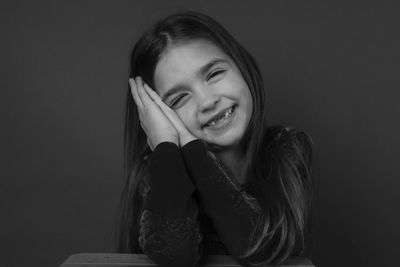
{"x":331,"y":68}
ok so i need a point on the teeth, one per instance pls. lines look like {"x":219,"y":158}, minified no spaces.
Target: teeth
{"x":219,"y":119}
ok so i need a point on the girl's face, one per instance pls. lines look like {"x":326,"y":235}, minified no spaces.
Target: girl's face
{"x":202,"y":84}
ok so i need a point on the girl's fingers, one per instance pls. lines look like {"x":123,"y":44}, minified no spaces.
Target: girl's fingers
{"x":184,"y":134}
{"x":167,"y":110}
{"x":144,"y":97}
{"x":135,"y":95}
{"x":156,"y":98}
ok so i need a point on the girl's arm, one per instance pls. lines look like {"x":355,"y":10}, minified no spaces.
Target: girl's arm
{"x":169,"y":229}
{"x":232,"y":210}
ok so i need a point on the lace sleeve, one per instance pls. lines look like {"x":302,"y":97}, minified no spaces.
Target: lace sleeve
{"x":168,"y":228}
{"x":233,"y":211}
{"x":165,"y":237}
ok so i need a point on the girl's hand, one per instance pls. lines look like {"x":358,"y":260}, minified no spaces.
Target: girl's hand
{"x":184,"y":135}
{"x":154,"y":122}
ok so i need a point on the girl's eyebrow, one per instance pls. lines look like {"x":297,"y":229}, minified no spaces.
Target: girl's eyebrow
{"x":204,"y":69}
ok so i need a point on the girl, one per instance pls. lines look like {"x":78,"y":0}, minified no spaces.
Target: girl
{"x":205,"y":175}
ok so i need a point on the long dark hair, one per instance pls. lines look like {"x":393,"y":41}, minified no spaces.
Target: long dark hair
{"x":278,"y":159}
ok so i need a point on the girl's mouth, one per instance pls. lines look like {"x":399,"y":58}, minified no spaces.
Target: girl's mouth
{"x":223,"y":120}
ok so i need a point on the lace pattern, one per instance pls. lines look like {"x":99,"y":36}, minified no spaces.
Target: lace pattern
{"x":162,"y":235}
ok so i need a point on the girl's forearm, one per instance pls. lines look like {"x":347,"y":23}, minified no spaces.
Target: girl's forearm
{"x":169,"y":230}
{"x":232,"y":210}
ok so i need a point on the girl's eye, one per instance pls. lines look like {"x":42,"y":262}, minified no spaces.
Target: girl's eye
{"x":215,"y":73}
{"x":176,"y":100}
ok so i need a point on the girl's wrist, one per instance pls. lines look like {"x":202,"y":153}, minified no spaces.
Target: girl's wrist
{"x":184,"y":141}
{"x":176,"y":142}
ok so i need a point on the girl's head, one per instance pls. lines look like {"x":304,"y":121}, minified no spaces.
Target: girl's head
{"x":199,"y":81}
{"x":200,"y":70}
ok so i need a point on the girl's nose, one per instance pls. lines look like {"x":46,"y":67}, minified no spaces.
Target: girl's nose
{"x":209,"y":102}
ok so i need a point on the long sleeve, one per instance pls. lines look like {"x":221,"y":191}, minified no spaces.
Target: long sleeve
{"x":232,"y":210}
{"x":169,"y":229}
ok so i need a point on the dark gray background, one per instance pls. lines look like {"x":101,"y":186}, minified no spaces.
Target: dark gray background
{"x":330,"y":68}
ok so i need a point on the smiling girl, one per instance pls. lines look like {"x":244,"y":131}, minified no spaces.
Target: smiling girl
{"x":205,"y":174}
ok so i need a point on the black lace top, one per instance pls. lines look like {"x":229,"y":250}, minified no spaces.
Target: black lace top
{"x":192,"y":207}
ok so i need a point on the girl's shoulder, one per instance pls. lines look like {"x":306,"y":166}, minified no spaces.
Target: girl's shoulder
{"x":288,"y":141}
{"x":285,"y":133}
